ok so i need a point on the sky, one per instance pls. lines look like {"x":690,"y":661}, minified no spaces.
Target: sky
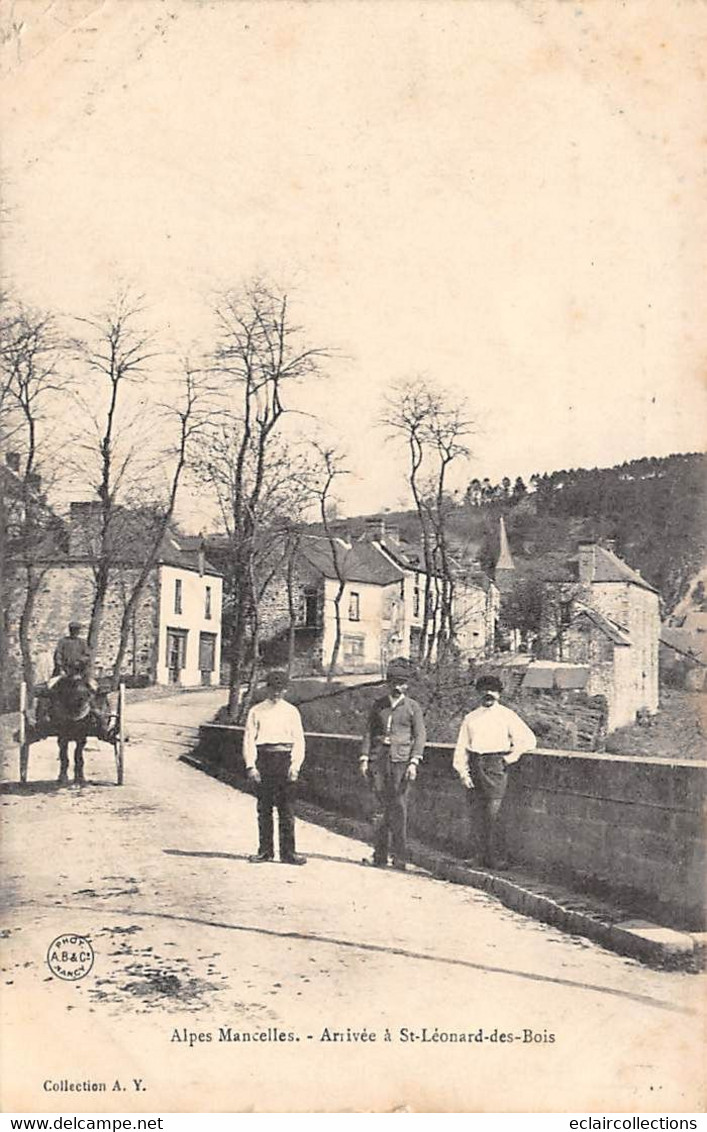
{"x":505,"y":197}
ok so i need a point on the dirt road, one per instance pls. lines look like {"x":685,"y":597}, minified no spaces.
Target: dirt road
{"x":219,"y":985}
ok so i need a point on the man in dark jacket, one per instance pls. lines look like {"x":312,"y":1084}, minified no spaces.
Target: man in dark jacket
{"x":72,"y":654}
{"x":392,"y":750}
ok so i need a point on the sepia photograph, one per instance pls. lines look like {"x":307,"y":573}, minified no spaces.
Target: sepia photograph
{"x":353,"y":557}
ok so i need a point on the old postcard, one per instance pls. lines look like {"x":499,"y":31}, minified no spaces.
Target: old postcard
{"x":351,"y":414}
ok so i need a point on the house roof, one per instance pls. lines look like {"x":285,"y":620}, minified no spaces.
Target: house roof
{"x":556,"y":674}
{"x":609,"y":568}
{"x":695,"y":621}
{"x":182,"y":551}
{"x":407,"y":554}
{"x":608,"y":627}
{"x":689,"y":645}
{"x":358,"y":561}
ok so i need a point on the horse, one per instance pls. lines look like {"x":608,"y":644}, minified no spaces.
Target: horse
{"x":72,"y":709}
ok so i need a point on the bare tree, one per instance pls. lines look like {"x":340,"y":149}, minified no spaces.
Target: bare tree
{"x":447,"y":429}
{"x":332,"y":468}
{"x":285,"y":496}
{"x":406,"y":413}
{"x":259,"y":355}
{"x":191,"y":415}
{"x":115,"y":351}
{"x":32,"y":378}
{"x":434,"y":430}
{"x":293,"y":543}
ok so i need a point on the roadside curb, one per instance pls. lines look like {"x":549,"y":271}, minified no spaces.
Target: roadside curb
{"x":570,"y":912}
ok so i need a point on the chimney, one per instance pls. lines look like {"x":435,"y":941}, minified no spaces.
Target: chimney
{"x":392,"y":534}
{"x":12,"y":459}
{"x":375,"y":529}
{"x":84,"y":521}
{"x":587,"y":561}
{"x":610,"y":545}
{"x":34,"y":481}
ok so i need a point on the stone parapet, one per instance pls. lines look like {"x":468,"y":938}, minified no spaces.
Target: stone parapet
{"x":627,"y":829}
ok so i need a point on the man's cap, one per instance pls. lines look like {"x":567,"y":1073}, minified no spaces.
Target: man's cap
{"x":400,"y":669}
{"x":75,"y":625}
{"x":489,"y":684}
{"x":276,"y":680}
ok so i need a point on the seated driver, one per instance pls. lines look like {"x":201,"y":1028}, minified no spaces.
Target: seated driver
{"x":72,"y":656}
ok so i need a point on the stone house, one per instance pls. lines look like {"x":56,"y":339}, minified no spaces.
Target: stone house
{"x":603,"y":615}
{"x":683,"y":658}
{"x":476,"y":599}
{"x":381,"y":606}
{"x":175,"y":630}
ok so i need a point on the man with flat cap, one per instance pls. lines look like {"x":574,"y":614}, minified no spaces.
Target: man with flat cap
{"x":273,"y":752}
{"x":392,"y":749}
{"x":491,"y":738}
{"x":72,"y":655}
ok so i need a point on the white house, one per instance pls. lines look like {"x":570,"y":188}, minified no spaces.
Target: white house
{"x":174,"y":633}
{"x":475,"y":604}
{"x":188,"y":644}
{"x":381,"y":607}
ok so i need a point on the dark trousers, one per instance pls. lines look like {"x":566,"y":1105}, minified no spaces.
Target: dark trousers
{"x":390,"y":791}
{"x":275,"y":791}
{"x":489,"y":773}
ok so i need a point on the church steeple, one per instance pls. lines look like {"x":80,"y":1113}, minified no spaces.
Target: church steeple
{"x":505,"y":566}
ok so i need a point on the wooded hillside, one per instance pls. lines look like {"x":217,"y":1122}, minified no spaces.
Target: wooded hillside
{"x":654,"y":508}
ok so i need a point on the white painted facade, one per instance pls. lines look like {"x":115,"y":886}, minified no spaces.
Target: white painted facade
{"x":189,"y":627}
{"x":475,"y":612}
{"x":372,"y":625}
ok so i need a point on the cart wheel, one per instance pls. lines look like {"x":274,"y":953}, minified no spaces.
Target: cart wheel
{"x":22,"y":733}
{"x":119,"y":741}
{"x":24,"y":761}
{"x":119,"y":761}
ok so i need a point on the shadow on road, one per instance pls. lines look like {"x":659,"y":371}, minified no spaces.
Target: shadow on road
{"x":206,"y":853}
{"x":403,"y":952}
{"x":47,"y":786}
{"x":38,"y":787}
{"x":357,"y":861}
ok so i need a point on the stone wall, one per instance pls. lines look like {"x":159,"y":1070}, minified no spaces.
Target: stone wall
{"x":625,"y":827}
{"x":274,"y":615}
{"x":66,"y":594}
{"x":627,"y":675}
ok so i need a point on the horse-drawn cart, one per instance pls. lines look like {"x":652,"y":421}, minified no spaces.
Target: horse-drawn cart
{"x":71,"y":731}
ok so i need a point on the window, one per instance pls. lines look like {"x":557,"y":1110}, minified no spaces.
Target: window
{"x":416,"y":597}
{"x":178,"y":595}
{"x":176,"y":653}
{"x":354,"y":648}
{"x":354,"y":606}
{"x":207,"y":603}
{"x":207,"y":652}
{"x":565,"y":613}
{"x":310,"y":608}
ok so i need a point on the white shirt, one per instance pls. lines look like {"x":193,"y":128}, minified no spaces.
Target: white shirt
{"x":492,"y":729}
{"x":273,"y":721}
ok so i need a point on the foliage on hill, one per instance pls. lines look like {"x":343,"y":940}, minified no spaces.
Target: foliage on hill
{"x":655,"y":508}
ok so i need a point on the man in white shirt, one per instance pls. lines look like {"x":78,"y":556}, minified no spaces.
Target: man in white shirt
{"x":273,"y":752}
{"x":490,"y":738}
